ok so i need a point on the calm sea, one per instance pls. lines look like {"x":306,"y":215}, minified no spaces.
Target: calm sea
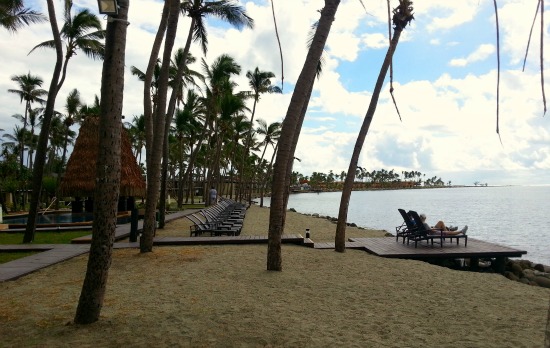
{"x":514,"y":216}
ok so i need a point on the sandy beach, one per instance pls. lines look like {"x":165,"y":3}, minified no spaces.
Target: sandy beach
{"x":222,"y":296}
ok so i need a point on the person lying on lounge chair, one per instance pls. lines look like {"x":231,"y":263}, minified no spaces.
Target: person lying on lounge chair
{"x":440,"y":226}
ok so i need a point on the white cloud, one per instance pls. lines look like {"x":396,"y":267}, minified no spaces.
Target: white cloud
{"x":481,"y":53}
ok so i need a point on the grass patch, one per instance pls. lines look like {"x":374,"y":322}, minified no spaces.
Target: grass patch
{"x":7,"y":257}
{"x":43,"y":237}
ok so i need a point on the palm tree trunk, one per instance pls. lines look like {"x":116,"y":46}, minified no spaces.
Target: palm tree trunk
{"x":106,"y":192}
{"x":340,"y":239}
{"x":154,"y":170}
{"x":147,"y":102}
{"x":248,"y":142}
{"x":169,"y":115}
{"x":285,"y":153}
{"x":42,"y":146}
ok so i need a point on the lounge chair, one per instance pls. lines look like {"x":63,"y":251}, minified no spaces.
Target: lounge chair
{"x":406,"y":228}
{"x":200,"y":227}
{"x":421,"y":233}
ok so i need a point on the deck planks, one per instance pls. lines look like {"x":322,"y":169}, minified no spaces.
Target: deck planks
{"x":388,"y":247}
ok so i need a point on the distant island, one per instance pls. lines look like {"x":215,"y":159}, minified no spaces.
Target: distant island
{"x":373,"y":180}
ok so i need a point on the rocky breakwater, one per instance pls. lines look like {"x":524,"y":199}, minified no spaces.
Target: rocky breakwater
{"x":527,"y":272}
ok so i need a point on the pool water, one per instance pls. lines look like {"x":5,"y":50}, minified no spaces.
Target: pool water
{"x":58,"y":218}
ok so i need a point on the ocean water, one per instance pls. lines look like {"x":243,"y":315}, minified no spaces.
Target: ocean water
{"x":514,"y":216}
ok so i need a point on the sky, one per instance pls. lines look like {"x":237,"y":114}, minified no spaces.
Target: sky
{"x":444,"y":79}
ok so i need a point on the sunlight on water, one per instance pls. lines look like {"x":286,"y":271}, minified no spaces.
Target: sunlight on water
{"x":513,"y":216}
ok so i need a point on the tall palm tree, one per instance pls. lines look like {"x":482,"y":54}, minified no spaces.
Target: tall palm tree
{"x":154,"y":158}
{"x":177,"y":82}
{"x":81,"y":32}
{"x":42,"y":145}
{"x":402,"y":16}
{"x":260,"y":82}
{"x":14,"y":15}
{"x":30,"y":92}
{"x":106,"y":192}
{"x":290,"y":131}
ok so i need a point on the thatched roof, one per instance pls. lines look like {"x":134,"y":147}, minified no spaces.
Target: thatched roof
{"x":79,"y":179}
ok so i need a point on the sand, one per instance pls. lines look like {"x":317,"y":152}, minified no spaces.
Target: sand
{"x":222,"y":296}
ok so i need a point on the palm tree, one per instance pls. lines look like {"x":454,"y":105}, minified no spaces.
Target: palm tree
{"x":137,"y":134}
{"x":259,"y":82}
{"x":42,"y":145}
{"x":29,"y":92}
{"x":82,"y":32}
{"x":271,"y":134}
{"x":194,"y":110}
{"x":14,"y":15}
{"x":402,"y":15}
{"x":177,"y":83}
{"x":72,"y":106}
{"x":107,"y":188}
{"x":220,"y":87}
{"x":290,"y":132}
{"x":186,"y":126}
{"x":154,"y":158}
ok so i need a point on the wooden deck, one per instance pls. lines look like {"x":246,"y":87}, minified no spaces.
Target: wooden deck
{"x":388,"y":247}
{"x":476,"y":250}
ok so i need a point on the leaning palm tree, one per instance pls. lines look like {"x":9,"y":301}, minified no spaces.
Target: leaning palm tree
{"x":14,"y":15}
{"x":30,"y":92}
{"x":402,"y":16}
{"x":291,"y":130}
{"x":81,"y":32}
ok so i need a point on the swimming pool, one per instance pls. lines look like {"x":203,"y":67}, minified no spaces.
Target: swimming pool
{"x":56,"y":219}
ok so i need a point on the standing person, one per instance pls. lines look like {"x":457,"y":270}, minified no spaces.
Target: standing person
{"x":213,"y":194}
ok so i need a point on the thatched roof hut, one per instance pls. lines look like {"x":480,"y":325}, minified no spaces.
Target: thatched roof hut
{"x":79,"y":179}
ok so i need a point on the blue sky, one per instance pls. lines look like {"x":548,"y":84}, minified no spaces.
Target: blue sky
{"x":444,"y":80}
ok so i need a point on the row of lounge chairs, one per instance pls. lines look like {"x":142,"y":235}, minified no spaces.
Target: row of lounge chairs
{"x":224,"y":218}
{"x":412,"y":229}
